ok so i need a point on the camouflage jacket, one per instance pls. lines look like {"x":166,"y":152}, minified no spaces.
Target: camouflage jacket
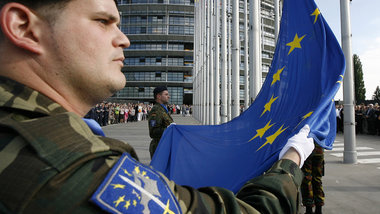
{"x":51,"y":162}
{"x":158,"y":120}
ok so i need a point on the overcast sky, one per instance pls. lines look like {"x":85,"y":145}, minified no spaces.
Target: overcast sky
{"x":365,"y":27}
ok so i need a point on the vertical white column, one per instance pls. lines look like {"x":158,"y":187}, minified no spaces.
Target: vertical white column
{"x":229,"y":62}
{"x":216,"y":64}
{"x":255,"y":49}
{"x":211,"y":62}
{"x":204,"y":48}
{"x":235,"y":96}
{"x":276,"y":18}
{"x":207,"y":76}
{"x":349,"y":154}
{"x":223,"y":59}
{"x":246,"y":69}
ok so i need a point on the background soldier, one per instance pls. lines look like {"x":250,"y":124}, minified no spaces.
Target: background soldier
{"x":311,"y":187}
{"x":159,"y":118}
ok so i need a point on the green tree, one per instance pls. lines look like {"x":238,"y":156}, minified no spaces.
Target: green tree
{"x":359,"y":82}
{"x":376,"y":95}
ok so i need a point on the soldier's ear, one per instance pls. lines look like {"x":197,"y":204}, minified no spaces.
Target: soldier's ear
{"x":21,"y":26}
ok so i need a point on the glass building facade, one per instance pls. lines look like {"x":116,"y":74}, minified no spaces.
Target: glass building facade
{"x":162,"y":43}
{"x":161,"y":52}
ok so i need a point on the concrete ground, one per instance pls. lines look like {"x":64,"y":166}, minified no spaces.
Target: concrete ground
{"x":349,"y":188}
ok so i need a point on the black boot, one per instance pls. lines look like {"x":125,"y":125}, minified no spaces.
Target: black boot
{"x":318,"y":210}
{"x":309,"y":210}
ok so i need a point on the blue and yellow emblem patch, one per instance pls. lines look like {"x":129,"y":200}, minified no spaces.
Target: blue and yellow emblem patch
{"x":131,"y":187}
{"x":152,"y":123}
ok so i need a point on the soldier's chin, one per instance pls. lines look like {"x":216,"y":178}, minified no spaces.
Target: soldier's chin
{"x":119,"y":84}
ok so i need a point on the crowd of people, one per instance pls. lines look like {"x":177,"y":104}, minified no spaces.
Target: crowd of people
{"x":367,"y":119}
{"x":106,"y":113}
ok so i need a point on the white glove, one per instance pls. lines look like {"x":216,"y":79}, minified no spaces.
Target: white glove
{"x":172,"y":124}
{"x":301,"y":143}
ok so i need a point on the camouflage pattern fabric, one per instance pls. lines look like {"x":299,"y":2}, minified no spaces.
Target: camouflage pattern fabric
{"x":51,"y":162}
{"x":158,"y":120}
{"x":311,"y":187}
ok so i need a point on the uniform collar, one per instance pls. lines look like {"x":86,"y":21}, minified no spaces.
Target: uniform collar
{"x":18,"y":96}
{"x":164,"y":106}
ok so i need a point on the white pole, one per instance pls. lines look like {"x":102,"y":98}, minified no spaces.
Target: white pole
{"x":196,"y":64}
{"x":223,"y":60}
{"x":254,"y":49}
{"x":204,"y":56}
{"x":216,"y":63}
{"x":195,"y":41}
{"x":211,"y":61}
{"x":246,"y":71}
{"x":208,"y":64}
{"x":349,"y":154}
{"x":229,"y":63}
{"x":235,"y":96}
{"x":276,"y":18}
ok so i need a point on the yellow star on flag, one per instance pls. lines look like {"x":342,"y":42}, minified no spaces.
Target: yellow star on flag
{"x":261,"y":132}
{"x":296,"y":43}
{"x":276,"y":76}
{"x":273,"y":137}
{"x":268,"y":105}
{"x":316,"y":14}
{"x":119,"y":200}
{"x":303,"y":118}
{"x":340,"y":82}
{"x":307,"y":115}
{"x":134,"y":203}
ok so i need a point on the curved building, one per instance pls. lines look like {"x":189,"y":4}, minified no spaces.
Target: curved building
{"x":161,"y":52}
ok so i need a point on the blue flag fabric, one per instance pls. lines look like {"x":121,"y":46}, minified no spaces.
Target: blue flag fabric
{"x":306,"y":72}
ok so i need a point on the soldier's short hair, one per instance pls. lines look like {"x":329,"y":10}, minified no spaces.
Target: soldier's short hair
{"x":47,"y":8}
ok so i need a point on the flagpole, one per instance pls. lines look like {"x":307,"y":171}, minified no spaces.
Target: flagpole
{"x":204,"y":63}
{"x":208,"y":69}
{"x":349,"y":154}
{"x":229,"y":62}
{"x":246,"y":71}
{"x":276,"y":19}
{"x":211,"y":62}
{"x":196,"y":64}
{"x":223,"y":60}
{"x":235,"y":96}
{"x":216,"y":64}
{"x":254,"y":48}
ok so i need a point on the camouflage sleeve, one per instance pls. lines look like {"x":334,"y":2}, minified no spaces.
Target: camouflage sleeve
{"x":274,"y":192}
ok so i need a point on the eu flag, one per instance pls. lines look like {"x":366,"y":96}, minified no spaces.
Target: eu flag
{"x":306,"y":72}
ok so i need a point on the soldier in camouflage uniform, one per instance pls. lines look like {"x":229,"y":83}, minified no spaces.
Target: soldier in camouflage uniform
{"x":159,"y":118}
{"x":59,"y":58}
{"x":311,"y":187}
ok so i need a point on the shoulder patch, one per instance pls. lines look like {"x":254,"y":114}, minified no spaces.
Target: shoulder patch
{"x":152,"y":123}
{"x":131,"y":187}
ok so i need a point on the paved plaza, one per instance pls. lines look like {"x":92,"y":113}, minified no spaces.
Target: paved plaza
{"x":349,"y":188}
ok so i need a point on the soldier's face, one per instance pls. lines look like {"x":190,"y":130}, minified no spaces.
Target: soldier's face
{"x":164,"y":97}
{"x":86,"y":49}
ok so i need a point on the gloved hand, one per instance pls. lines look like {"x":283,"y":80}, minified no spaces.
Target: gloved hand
{"x":172,"y":124}
{"x":301,"y":143}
